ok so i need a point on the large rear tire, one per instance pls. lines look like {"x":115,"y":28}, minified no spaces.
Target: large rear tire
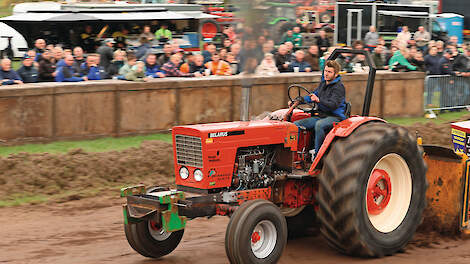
{"x":256,"y":233}
{"x":372,"y":191}
{"x":151,"y":241}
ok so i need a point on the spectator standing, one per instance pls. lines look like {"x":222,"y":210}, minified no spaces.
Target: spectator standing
{"x":152,"y":69}
{"x":432,"y":67}
{"x":142,"y":49}
{"x":171,"y":68}
{"x":230,"y":59}
{"x":372,"y":38}
{"x":288,"y":37}
{"x":218,"y":66}
{"x":28,"y":72}
{"x":461,"y":61}
{"x":106,"y":53}
{"x":422,"y":37}
{"x":39,"y":47}
{"x":7,"y":74}
{"x":196,"y":65}
{"x":117,"y":63}
{"x":418,"y":61}
{"x":432,"y":61}
{"x":312,"y":58}
{"x":282,"y":58}
{"x":146,"y":33}
{"x":210,"y":50}
{"x":91,"y":69}
{"x":67,"y":74}
{"x":58,"y":53}
{"x":267,"y":66}
{"x":403,"y":37}
{"x":445,"y":63}
{"x":440,"y":47}
{"x":322,"y":42}
{"x":131,"y":61}
{"x":137,"y":73}
{"x":227,"y":44}
{"x":298,"y":64}
{"x":399,"y":61}
{"x":448,"y":94}
{"x":88,"y":39}
{"x":47,"y":67}
{"x":78,"y":58}
{"x":165,"y":57}
{"x":379,"y":58}
{"x":297,"y":37}
{"x":120,"y":38}
{"x":163,"y":34}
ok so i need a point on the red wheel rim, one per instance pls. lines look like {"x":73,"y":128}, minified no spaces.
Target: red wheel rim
{"x":255,"y":237}
{"x":379,"y":191}
{"x":154,"y":226}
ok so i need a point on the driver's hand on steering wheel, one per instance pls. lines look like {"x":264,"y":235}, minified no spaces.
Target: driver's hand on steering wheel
{"x":314,"y":98}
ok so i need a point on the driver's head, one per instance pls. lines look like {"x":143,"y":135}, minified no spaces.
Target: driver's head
{"x":331,"y":70}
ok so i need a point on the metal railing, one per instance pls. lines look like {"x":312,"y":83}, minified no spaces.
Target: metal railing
{"x":446,"y":92}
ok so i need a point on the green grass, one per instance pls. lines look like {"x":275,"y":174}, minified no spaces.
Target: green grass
{"x":441,"y":118}
{"x":96,"y":145}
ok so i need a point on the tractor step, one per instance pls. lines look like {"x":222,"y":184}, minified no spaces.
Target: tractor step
{"x":299,"y":175}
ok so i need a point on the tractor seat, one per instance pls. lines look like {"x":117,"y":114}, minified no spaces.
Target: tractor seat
{"x":347,"y":111}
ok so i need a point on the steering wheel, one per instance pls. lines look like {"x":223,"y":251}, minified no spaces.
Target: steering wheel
{"x":296,"y":93}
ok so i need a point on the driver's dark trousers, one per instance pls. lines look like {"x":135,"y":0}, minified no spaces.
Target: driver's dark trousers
{"x":319,"y":126}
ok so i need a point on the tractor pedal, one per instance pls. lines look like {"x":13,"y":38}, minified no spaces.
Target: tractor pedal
{"x":298,"y":174}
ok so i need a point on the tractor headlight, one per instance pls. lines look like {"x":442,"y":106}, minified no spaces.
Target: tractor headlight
{"x":184,"y":173}
{"x":198,"y":175}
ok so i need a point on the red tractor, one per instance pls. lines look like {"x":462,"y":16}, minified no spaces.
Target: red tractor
{"x":366,"y":187}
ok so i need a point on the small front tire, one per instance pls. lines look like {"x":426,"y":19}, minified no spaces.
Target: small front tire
{"x":151,"y":241}
{"x":257,"y":233}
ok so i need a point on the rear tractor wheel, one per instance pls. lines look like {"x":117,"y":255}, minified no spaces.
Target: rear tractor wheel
{"x":372,"y":191}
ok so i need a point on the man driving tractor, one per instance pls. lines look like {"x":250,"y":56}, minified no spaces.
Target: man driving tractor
{"x":331,"y":105}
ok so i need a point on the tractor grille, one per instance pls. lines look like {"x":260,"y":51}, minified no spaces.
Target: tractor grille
{"x":188,"y":151}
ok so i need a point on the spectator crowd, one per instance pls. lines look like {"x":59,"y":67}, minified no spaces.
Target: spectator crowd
{"x":238,"y":53}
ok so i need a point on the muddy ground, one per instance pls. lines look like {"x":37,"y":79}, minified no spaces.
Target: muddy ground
{"x":74,"y":229}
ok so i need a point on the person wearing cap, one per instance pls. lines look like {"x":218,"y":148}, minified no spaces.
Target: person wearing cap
{"x":67,"y":74}
{"x":28,"y":72}
{"x":87,"y":39}
{"x":445,"y":63}
{"x":106,"y":52}
{"x":7,"y":74}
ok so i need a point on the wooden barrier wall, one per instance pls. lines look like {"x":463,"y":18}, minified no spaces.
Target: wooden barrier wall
{"x":52,"y":111}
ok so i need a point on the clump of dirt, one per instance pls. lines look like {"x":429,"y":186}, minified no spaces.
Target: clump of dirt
{"x":436,"y":134}
{"x":49,"y":174}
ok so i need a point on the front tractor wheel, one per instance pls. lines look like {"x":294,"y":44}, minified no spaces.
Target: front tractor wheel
{"x":150,"y":240}
{"x":372,"y":191}
{"x":256,"y":233}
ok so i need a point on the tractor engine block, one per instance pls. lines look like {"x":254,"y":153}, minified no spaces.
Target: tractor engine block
{"x":253,"y":168}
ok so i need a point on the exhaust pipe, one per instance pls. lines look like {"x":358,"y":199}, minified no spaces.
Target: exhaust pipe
{"x":247,"y":84}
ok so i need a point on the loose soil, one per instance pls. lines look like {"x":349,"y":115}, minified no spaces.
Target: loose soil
{"x":75,"y":229}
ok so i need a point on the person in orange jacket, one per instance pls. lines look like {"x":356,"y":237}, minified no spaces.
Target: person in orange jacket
{"x":218,"y":66}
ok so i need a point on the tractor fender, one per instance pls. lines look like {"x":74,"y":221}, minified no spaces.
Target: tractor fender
{"x":341,"y":129}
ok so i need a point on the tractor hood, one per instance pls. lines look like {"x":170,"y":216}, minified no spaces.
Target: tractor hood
{"x":212,"y":148}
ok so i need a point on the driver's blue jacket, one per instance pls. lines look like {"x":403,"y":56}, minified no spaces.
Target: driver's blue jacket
{"x":332,"y":97}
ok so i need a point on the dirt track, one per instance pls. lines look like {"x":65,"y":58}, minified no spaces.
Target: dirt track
{"x":91,"y":231}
